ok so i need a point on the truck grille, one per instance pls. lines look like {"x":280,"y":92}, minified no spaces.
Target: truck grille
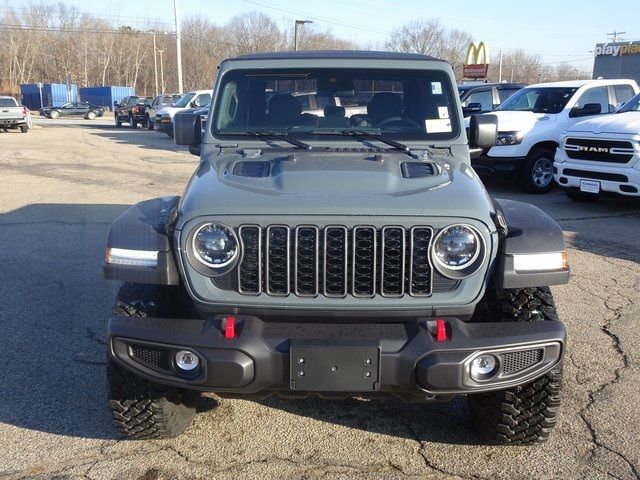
{"x":335,"y":261}
{"x":609,"y":151}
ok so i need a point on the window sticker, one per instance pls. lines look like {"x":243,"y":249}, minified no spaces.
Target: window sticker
{"x":436,"y":88}
{"x":438,"y":125}
{"x":443,"y":112}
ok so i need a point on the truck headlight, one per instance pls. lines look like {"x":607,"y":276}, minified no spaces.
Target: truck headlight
{"x":456,"y":251}
{"x":509,"y":138}
{"x":215,"y":245}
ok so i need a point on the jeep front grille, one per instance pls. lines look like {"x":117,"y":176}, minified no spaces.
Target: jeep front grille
{"x":609,"y":151}
{"x":335,"y":261}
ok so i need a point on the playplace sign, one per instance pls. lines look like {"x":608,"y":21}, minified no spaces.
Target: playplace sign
{"x":617,"y":49}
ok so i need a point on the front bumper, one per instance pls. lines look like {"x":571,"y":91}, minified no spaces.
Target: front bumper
{"x":619,"y":180}
{"x":163,"y":125}
{"x":409,"y":362}
{"x":486,"y":165}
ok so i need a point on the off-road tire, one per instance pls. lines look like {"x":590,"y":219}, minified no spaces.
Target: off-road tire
{"x":141,"y":408}
{"x":24,"y":128}
{"x":525,"y":414}
{"x":545,"y":155}
{"x":577,"y":196}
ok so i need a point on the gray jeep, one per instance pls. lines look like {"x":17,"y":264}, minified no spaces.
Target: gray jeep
{"x":338,"y":255}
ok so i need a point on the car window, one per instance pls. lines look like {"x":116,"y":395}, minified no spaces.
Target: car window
{"x":538,"y":99}
{"x":133,"y":101}
{"x":597,"y":95}
{"x":483,"y":97}
{"x":8,"y":102}
{"x":623,"y":93}
{"x":304,"y":101}
{"x":504,"y":93}
{"x":203,"y":100}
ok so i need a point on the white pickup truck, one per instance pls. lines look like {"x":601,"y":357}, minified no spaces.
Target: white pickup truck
{"x":532,"y":121}
{"x":601,"y":154}
{"x":13,"y":115}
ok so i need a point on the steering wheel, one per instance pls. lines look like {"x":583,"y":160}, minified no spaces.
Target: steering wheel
{"x":400,"y":120}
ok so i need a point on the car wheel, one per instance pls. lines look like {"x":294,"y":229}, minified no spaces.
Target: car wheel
{"x":132,"y":122}
{"x":537,"y":175}
{"x":141,"y":408}
{"x":525,"y":414}
{"x":54,"y":114}
{"x":24,"y":128}
{"x":577,"y":196}
{"x":149,"y":123}
{"x":91,"y":115}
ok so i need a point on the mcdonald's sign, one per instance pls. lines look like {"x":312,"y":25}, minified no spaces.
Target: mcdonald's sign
{"x":476,"y":64}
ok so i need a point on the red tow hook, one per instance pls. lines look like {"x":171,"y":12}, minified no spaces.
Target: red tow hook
{"x":441,"y":330}
{"x":229,"y":327}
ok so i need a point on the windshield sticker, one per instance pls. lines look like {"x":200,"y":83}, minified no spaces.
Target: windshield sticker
{"x":443,"y":112}
{"x":438,"y":125}
{"x":436,"y":88}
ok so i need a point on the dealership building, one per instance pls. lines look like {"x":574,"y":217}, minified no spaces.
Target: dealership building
{"x":617,"y":60}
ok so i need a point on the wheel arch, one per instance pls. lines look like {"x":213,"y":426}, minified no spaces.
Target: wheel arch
{"x":550,"y":144}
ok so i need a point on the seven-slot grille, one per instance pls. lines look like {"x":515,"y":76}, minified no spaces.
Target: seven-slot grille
{"x":610,"y":151}
{"x":335,"y":261}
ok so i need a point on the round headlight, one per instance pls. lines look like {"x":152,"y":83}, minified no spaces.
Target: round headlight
{"x":456,"y":247}
{"x":215,"y":245}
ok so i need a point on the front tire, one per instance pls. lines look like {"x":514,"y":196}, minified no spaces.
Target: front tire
{"x":149,"y":123}
{"x":116,"y":120}
{"x":525,"y":414}
{"x":24,"y":128}
{"x":54,"y":114}
{"x":91,"y":116}
{"x":141,"y":408}
{"x":537,"y":174}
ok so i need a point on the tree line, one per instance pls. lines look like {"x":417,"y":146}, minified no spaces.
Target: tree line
{"x":49,"y":43}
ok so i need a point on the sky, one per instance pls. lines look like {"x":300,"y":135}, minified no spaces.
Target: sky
{"x":557,"y":30}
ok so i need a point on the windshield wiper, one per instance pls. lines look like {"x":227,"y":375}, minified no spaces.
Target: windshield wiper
{"x":279,"y":135}
{"x":375,"y":134}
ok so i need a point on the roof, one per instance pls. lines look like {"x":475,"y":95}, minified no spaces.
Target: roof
{"x":580,"y":83}
{"x":335,"y":54}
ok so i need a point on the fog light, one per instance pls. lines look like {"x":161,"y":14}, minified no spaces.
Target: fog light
{"x":483,"y":367}
{"x":187,"y":361}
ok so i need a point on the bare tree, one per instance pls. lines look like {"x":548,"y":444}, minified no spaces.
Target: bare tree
{"x":419,"y":36}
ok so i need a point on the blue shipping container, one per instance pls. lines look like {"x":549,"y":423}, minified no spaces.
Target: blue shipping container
{"x":49,"y":95}
{"x":105,"y":96}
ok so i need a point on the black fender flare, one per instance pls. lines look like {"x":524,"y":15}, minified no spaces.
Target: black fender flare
{"x":145,"y":226}
{"x":529,"y":230}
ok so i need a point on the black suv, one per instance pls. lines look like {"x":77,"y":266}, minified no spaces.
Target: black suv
{"x":131,"y":110}
{"x":485,"y":97}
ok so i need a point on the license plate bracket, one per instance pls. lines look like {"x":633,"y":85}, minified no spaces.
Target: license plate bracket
{"x":334,"y":368}
{"x":589,"y":186}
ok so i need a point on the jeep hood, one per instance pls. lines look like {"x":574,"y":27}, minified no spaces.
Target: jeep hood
{"x":623,"y":123}
{"x":334,"y":184}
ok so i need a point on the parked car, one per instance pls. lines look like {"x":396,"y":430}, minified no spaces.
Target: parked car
{"x":195,"y":99}
{"x":480,"y":97}
{"x":314,"y":260}
{"x":131,"y":110}
{"x":601,"y":155}
{"x":158,"y":103}
{"x":13,"y":115}
{"x":74,"y":109}
{"x":531,"y":122}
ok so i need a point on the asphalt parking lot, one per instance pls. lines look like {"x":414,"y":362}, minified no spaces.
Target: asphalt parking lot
{"x":62,"y":185}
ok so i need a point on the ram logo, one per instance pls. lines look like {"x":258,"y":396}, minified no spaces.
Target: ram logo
{"x":582,"y":148}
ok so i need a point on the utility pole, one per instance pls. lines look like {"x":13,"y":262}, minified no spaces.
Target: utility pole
{"x":155,"y":64}
{"x":295,"y":32}
{"x":161,"y":71}
{"x":616,"y":36}
{"x":178,"y":48}
{"x":500,"y":68}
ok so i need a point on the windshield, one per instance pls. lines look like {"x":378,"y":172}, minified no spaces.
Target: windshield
{"x":402,"y":104}
{"x":184,"y":101}
{"x":633,"y":105}
{"x":7,"y":102}
{"x":539,"y":99}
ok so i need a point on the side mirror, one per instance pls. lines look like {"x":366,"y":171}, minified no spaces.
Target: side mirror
{"x":472,"y":108}
{"x":116,"y":104}
{"x":187,"y":129}
{"x":193,"y":104}
{"x":483,"y":131}
{"x":588,"y":109}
